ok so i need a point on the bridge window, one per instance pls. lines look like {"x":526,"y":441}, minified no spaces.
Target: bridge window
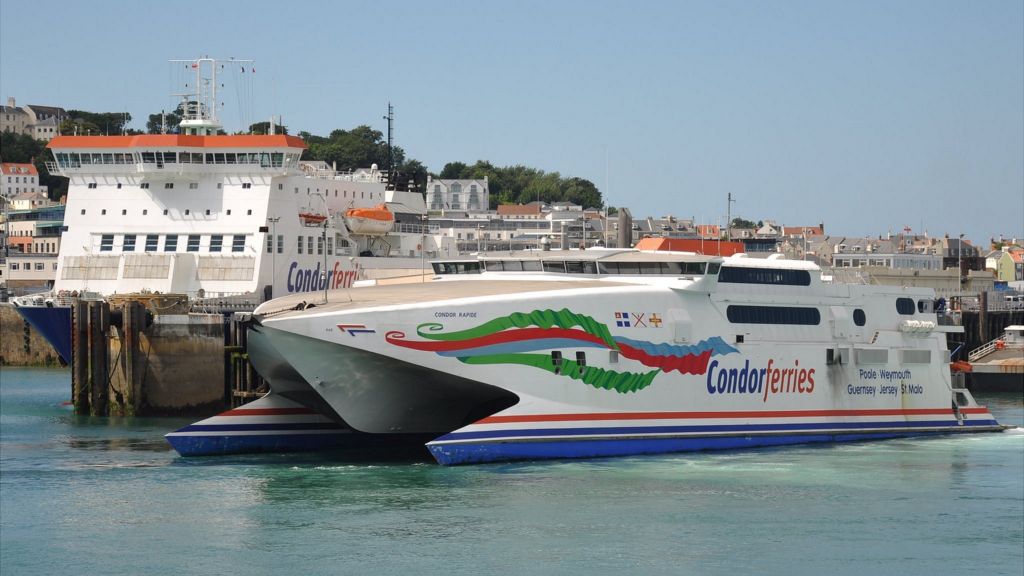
{"x":106,"y":243}
{"x":193,"y":243}
{"x":238,"y":243}
{"x":300,"y":244}
{"x":151,"y":242}
{"x":216,"y":242}
{"x":773,"y":315}
{"x":171,"y":243}
{"x":456,"y":267}
{"x":128,"y":245}
{"x":772,"y":276}
{"x":905,"y":306}
{"x":554,"y":266}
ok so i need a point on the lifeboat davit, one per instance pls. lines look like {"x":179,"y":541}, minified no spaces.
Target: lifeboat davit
{"x":375,"y":221}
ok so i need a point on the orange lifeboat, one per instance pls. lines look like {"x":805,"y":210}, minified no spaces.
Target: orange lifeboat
{"x":375,"y":221}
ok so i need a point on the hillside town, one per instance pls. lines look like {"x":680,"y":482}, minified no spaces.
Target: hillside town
{"x":460,"y":209}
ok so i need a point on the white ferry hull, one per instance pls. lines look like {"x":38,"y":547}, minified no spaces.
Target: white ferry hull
{"x":616,"y":371}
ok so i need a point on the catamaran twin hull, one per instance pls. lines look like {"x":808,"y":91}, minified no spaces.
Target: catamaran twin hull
{"x":521,"y":370}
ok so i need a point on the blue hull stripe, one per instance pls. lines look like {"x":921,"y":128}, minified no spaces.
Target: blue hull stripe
{"x":645,"y":430}
{"x":260,"y":427}
{"x":237,"y":444}
{"x":467,"y":453}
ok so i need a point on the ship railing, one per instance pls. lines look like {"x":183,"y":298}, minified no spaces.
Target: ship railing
{"x":986,"y":349}
{"x":417,"y":229}
{"x":59,"y":299}
{"x":220,"y":304}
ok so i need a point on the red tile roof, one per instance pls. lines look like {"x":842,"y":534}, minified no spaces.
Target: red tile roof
{"x":14,"y":169}
{"x":532,"y":209}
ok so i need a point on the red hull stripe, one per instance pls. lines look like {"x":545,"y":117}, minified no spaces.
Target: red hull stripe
{"x":267,"y":411}
{"x":397,"y":338}
{"x":700,"y":415}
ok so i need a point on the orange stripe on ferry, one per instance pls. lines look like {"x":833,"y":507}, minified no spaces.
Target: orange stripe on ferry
{"x":709,"y":415}
{"x":178,"y":140}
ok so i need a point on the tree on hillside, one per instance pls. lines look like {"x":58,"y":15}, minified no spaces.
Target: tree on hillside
{"x":581,"y":191}
{"x":522,"y":185}
{"x":454,"y":171}
{"x":742,"y":223}
{"x":105,"y":122}
{"x":264,"y":128}
{"x":155,"y":122}
{"x":79,"y":127}
{"x":23,"y":149}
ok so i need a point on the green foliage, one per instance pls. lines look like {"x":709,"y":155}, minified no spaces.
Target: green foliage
{"x":361,"y":147}
{"x":156,"y":121}
{"x":79,"y":127}
{"x":521,"y":184}
{"x":742,"y":223}
{"x":22,"y":149}
{"x":453,"y":171}
{"x":264,"y":128}
{"x":111,"y":123}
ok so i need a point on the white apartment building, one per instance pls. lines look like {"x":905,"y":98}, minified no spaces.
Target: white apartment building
{"x":16,"y":179}
{"x":466,"y":195}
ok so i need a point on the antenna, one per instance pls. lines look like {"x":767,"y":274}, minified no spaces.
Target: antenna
{"x":391,"y":120}
{"x":728,"y":218}
{"x":199,"y":107}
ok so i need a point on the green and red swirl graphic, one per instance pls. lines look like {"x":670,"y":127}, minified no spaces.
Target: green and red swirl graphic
{"x":511,"y":339}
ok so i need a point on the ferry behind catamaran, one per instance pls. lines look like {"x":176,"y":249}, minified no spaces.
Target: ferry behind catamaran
{"x":224,"y":220}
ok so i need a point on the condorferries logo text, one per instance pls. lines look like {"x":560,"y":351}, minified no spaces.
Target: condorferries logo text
{"x":772,"y":379}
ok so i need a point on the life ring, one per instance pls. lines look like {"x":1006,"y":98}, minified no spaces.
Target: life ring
{"x":1000,"y":345}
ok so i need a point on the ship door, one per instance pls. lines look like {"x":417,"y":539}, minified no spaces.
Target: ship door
{"x":682,"y":325}
{"x":842,"y":323}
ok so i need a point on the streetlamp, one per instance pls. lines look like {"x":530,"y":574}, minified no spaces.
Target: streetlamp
{"x":273,"y":252}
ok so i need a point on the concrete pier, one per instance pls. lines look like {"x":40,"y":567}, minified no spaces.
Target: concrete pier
{"x":171,"y":366}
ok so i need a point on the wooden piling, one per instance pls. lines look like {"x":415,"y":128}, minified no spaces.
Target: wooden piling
{"x":99,"y":361}
{"x":983,"y":331}
{"x":130,"y":371}
{"x":80,"y":354}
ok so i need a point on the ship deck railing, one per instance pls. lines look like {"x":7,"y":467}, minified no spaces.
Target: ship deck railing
{"x":417,"y":229}
{"x":998,"y":343}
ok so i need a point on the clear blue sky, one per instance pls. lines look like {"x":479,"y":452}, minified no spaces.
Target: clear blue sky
{"x":867,"y":115}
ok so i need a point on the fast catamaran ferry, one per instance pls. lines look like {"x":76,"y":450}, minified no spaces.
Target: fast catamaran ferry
{"x":567,"y":354}
{"x":220,"y":219}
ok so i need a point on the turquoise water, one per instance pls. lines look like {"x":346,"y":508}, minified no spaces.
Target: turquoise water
{"x":106,"y":496}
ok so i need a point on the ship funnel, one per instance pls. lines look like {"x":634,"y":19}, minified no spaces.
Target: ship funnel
{"x":625,"y":228}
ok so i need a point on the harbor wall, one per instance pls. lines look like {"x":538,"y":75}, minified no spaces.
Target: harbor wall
{"x":22,"y":345}
{"x":128,"y":362}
